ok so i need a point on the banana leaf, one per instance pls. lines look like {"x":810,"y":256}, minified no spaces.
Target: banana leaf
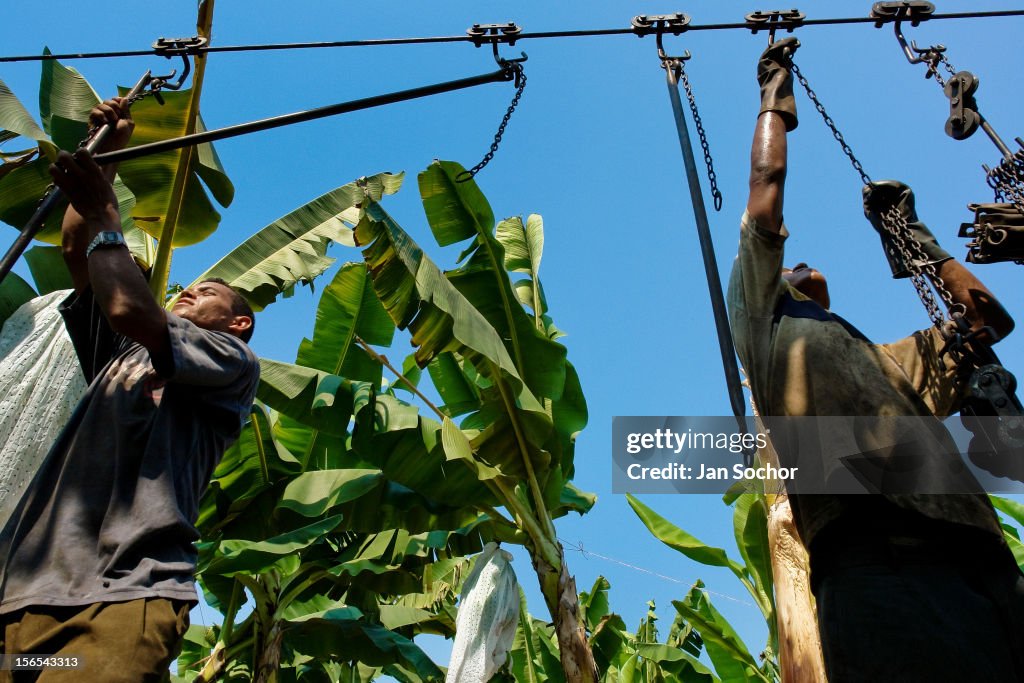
{"x":732,"y":660}
{"x":459,"y":211}
{"x":293,"y":248}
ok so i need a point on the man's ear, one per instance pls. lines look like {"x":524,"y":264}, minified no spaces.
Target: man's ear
{"x":239,"y":324}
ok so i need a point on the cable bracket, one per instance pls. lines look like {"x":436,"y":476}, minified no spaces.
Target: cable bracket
{"x":646,"y":24}
{"x":914,"y":11}
{"x":493,"y":34}
{"x":171,"y":47}
{"x":772,"y":20}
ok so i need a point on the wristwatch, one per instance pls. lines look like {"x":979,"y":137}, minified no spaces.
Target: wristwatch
{"x":106,"y":238}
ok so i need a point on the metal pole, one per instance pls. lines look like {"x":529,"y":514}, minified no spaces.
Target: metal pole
{"x":298,"y":117}
{"x":54,"y":196}
{"x":707,"y":249}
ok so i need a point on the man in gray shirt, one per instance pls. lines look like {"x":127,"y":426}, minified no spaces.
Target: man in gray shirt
{"x":98,"y":560}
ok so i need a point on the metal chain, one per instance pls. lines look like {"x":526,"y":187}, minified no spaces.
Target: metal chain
{"x":520,"y":77}
{"x":936,"y":57}
{"x":712,"y":178}
{"x":1007,"y":180}
{"x":895,"y":223}
{"x":912,"y":253}
{"x":865,"y":178}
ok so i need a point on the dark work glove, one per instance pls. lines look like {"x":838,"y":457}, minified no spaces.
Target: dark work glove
{"x":877,"y":199}
{"x":776,"y":80}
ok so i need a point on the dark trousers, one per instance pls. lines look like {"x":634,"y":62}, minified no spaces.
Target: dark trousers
{"x":116,"y":642}
{"x":926,"y":608}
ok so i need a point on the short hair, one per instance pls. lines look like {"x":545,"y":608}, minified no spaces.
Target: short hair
{"x":239,"y":306}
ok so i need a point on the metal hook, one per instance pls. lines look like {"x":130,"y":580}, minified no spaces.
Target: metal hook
{"x":665,"y":58}
{"x":916,"y":55}
{"x":915,"y":11}
{"x":169,"y":47}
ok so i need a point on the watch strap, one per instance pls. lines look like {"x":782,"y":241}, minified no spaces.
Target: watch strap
{"x":106,"y":238}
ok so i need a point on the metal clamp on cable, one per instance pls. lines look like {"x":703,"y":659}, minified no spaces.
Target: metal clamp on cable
{"x":495,"y":34}
{"x":646,"y":24}
{"x":914,"y":11}
{"x":492,"y":34}
{"x":772,"y":20}
{"x":170,"y":47}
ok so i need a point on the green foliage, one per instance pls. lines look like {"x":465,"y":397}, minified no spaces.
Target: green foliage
{"x":730,"y":656}
{"x":14,"y":292}
{"x":342,"y":514}
{"x":621,"y":655}
{"x":1012,"y":533}
{"x":293,"y":248}
{"x":65,"y":99}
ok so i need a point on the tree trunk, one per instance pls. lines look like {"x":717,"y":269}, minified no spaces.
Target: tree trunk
{"x":270,"y":657}
{"x":800,"y":658}
{"x":559,"y":589}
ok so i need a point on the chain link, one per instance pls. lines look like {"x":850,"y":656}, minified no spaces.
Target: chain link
{"x":912,"y":253}
{"x":831,"y":125}
{"x":1007,"y":180}
{"x":520,"y":77}
{"x":712,"y":178}
{"x":934,"y":58}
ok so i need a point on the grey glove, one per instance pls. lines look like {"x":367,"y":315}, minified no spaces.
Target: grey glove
{"x":877,"y":200}
{"x":777,"y":82}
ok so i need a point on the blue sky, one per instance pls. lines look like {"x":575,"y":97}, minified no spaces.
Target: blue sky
{"x":593,"y":149}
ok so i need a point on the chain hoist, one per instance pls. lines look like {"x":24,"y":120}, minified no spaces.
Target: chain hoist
{"x":993,"y":223}
{"x":902,"y":241}
{"x":895,"y":225}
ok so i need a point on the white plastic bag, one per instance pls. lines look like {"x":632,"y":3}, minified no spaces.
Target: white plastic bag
{"x":487,"y":619}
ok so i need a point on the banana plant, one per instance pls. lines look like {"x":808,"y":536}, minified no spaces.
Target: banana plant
{"x":623,"y":656}
{"x":731,"y":658}
{"x":498,"y":365}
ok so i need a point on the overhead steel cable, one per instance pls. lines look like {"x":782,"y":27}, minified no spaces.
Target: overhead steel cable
{"x":579,"y":33}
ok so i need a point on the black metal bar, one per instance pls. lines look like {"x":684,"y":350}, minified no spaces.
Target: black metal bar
{"x":994,"y":137}
{"x":52,"y":198}
{"x":299,"y":117}
{"x":707,"y":248}
{"x":577,"y":33}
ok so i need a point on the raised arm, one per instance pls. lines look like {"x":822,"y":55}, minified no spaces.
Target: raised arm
{"x":982,"y":308}
{"x":118,"y":285}
{"x":75,"y":236}
{"x":776,"y":118}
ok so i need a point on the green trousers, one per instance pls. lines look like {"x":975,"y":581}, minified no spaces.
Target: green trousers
{"x":114,"y":642}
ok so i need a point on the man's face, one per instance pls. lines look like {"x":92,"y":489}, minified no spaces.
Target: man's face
{"x":808,"y":282}
{"x":209,"y":305}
